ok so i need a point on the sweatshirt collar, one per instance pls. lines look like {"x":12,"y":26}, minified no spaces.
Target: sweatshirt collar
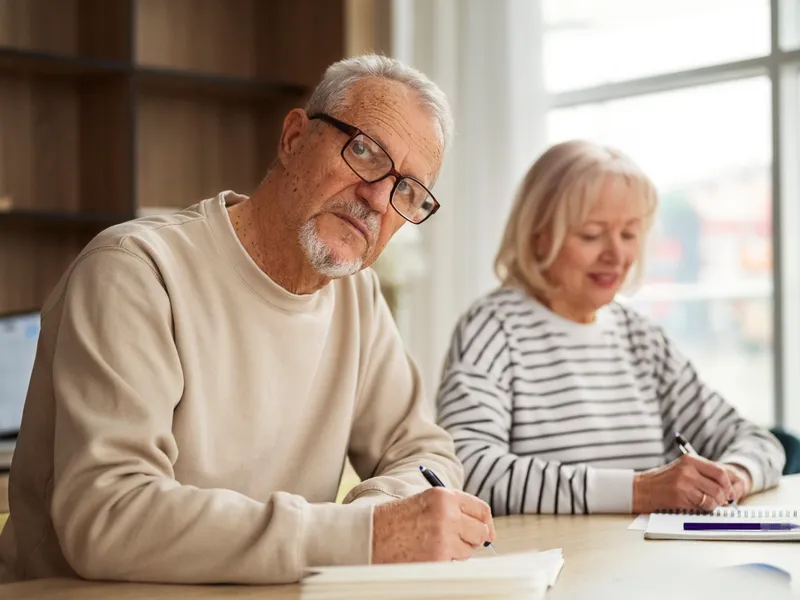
{"x":249,"y":272}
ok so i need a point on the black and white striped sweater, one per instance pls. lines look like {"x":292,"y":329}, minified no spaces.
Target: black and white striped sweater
{"x":553,"y":416}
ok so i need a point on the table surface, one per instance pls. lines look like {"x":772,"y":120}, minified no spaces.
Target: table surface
{"x":597,"y":548}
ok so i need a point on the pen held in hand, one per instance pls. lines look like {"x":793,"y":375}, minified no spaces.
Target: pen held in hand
{"x":434,"y":480}
{"x":686,"y":448}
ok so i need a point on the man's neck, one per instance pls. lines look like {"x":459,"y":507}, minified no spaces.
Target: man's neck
{"x":272,"y":243}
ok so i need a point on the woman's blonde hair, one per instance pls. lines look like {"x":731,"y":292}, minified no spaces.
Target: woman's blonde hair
{"x":554,"y":198}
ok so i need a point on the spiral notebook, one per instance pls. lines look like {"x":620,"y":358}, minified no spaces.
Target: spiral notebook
{"x":669,"y":525}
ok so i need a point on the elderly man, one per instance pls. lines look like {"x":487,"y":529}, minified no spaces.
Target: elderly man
{"x":202,"y":376}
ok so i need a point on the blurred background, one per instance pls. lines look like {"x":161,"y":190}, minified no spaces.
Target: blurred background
{"x":110,"y":109}
{"x":703,"y":94}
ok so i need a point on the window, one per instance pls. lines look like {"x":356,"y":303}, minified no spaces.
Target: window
{"x":591,"y":42}
{"x":686,"y":89}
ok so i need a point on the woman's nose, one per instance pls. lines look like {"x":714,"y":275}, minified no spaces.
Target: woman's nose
{"x":614,"y":250}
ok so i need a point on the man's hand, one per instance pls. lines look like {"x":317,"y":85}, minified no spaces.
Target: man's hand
{"x":740,"y":479}
{"x":437,"y":525}
{"x":690,"y":482}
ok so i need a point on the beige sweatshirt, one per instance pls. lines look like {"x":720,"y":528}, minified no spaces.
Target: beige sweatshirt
{"x":188,"y":419}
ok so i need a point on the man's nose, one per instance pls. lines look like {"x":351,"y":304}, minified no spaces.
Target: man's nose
{"x":377,"y":194}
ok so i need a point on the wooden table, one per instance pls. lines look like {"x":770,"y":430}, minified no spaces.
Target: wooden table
{"x":597,"y":550}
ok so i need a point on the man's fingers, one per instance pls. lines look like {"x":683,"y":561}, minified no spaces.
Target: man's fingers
{"x":472,"y":531}
{"x":478,"y":510}
{"x":462,"y":550}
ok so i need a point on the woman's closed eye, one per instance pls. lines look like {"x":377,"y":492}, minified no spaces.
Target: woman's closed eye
{"x":590,"y":236}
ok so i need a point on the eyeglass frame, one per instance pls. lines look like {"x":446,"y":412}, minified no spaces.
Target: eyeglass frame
{"x":353,"y":132}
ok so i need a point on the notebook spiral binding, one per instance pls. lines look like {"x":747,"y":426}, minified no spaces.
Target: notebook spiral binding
{"x":725,"y":511}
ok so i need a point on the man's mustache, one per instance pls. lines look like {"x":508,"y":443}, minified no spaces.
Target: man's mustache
{"x":363,"y":213}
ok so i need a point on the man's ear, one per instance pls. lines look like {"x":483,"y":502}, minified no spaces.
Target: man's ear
{"x":295,"y":124}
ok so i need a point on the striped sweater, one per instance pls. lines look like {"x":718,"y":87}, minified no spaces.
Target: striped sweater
{"x":553,"y":416}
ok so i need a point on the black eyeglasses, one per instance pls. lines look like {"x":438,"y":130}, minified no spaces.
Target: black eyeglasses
{"x":367,"y":158}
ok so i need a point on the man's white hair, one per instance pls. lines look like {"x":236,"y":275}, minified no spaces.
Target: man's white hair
{"x":331,"y":93}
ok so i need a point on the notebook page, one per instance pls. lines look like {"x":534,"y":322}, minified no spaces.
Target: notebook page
{"x":670,"y":526}
{"x":480,"y":568}
{"x":790,"y":512}
{"x":640,"y":522}
{"x":743,"y":512}
{"x":524,"y":575}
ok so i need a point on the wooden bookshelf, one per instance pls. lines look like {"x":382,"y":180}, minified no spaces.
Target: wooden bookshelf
{"x":108,"y":107}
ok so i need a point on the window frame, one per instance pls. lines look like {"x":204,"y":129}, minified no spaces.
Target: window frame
{"x":782,"y":67}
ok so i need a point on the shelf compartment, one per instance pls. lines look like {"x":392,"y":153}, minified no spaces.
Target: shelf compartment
{"x":98,"y":29}
{"x":190,"y":148}
{"x":65,"y":146}
{"x":252,"y":39}
{"x":33,"y":262}
{"x":210,"y":36}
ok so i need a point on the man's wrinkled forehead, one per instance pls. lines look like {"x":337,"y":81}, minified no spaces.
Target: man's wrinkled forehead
{"x":393,"y":114}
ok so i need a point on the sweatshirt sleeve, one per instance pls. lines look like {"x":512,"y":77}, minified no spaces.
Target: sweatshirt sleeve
{"x":117,"y":509}
{"x":476,"y":405}
{"x":714,"y":427}
{"x":394,"y":430}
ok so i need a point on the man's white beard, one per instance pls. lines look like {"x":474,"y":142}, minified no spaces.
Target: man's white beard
{"x":321,"y":257}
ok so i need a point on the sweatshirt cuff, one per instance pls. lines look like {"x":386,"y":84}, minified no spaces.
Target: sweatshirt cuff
{"x":383,"y":488}
{"x":750,"y":466}
{"x":335,"y":534}
{"x":369,"y":496}
{"x":609,"y":490}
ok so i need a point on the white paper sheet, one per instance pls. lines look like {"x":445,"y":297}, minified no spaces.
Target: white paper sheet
{"x":525,"y":575}
{"x":640,"y":523}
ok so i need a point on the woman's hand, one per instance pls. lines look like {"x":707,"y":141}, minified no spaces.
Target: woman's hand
{"x":690,"y":482}
{"x":740,"y":479}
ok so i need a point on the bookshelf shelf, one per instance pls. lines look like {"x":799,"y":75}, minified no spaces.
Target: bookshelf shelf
{"x":65,"y":218}
{"x":35,"y":62}
{"x":178,"y":81}
{"x":109,"y":108}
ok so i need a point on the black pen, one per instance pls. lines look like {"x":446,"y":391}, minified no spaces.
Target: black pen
{"x":686,"y":448}
{"x":436,"y":482}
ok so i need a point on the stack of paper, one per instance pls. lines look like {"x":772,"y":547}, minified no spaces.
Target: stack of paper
{"x":524,"y":575}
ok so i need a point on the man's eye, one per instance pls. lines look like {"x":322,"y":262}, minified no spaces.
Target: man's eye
{"x":360,"y":148}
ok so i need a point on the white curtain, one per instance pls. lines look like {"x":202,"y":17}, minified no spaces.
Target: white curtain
{"x":486,"y":56}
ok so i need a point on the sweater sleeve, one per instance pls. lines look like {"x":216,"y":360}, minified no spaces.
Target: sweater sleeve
{"x":476,"y":404}
{"x":712,"y":425}
{"x":117,"y":509}
{"x":394,"y":430}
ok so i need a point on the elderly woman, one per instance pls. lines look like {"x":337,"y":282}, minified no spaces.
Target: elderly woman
{"x":561,"y":400}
